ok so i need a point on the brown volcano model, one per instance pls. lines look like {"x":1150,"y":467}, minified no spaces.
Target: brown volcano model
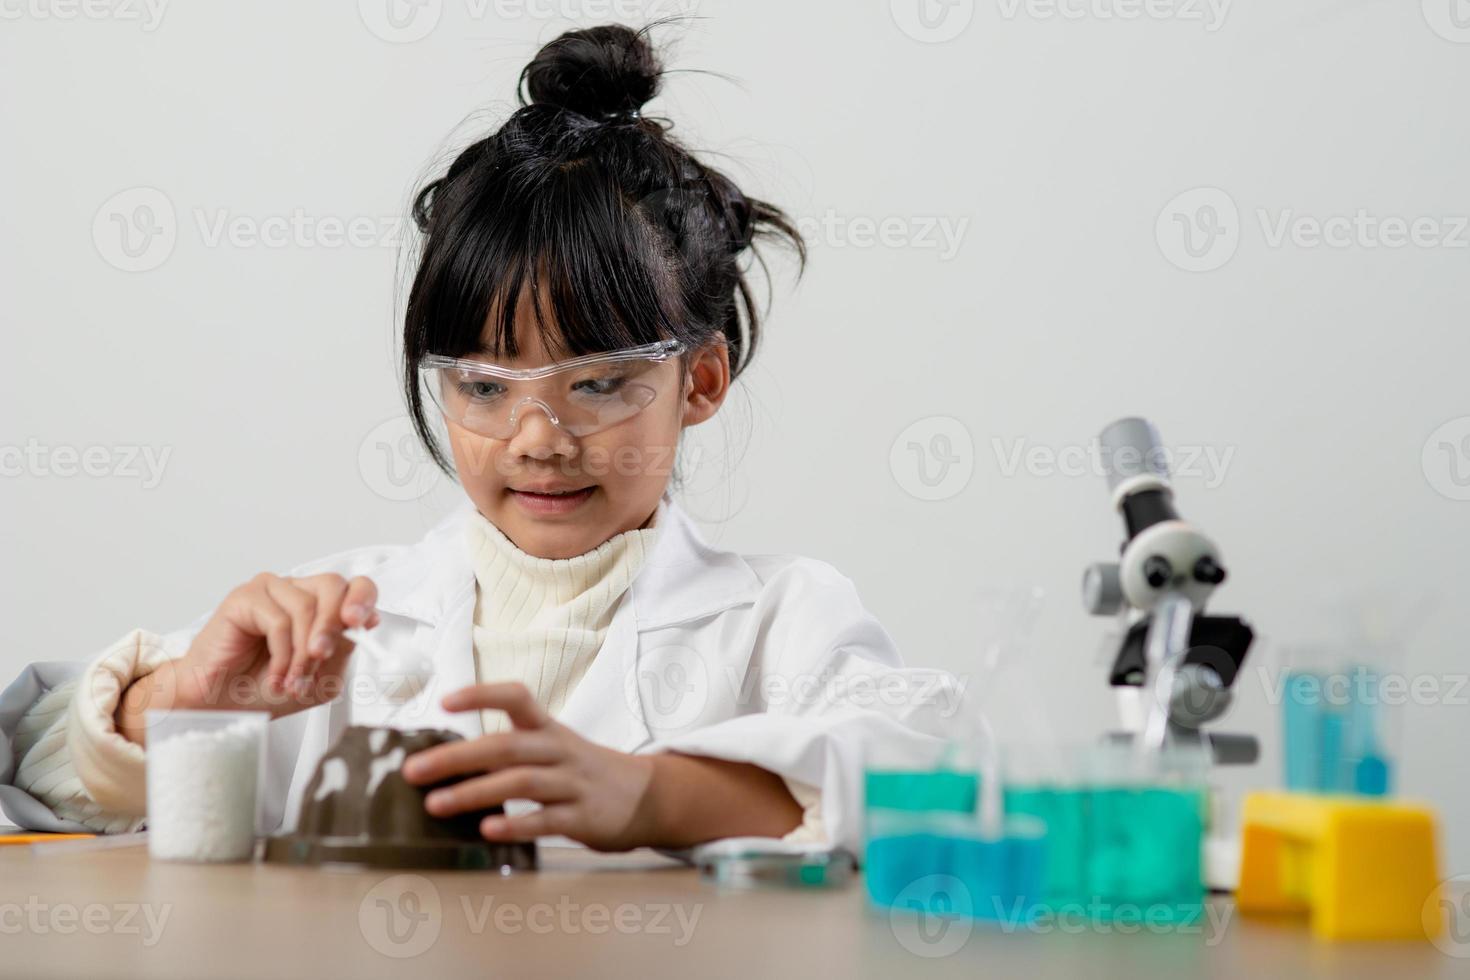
{"x":358,"y":809}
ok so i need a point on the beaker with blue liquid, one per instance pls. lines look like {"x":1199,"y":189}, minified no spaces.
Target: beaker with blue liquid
{"x":1104,"y":831}
{"x":1334,"y":731}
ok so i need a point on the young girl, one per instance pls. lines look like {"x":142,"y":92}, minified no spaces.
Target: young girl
{"x":579,"y":301}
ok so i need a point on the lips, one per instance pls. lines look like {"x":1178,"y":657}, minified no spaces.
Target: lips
{"x":550,"y":491}
{"x":561,"y":500}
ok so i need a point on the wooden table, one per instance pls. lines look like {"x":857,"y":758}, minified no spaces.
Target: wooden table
{"x":115,"y":913}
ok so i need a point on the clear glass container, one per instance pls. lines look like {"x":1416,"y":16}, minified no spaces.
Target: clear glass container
{"x":204,"y":770}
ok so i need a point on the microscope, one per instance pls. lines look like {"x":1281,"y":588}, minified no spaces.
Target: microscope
{"x":1175,"y":666}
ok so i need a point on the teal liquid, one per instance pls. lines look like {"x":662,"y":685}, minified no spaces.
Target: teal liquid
{"x":1124,"y":851}
{"x":941,"y":789}
{"x":1114,"y":851}
{"x":1064,"y":811}
{"x":1145,"y":850}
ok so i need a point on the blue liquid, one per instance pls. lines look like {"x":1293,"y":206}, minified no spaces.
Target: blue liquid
{"x":1301,"y":723}
{"x":1370,"y":776}
{"x":1329,"y":752}
{"x":1114,"y":851}
{"x":1331,"y":741}
{"x":997,"y":880}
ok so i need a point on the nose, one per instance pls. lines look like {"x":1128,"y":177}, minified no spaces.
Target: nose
{"x":537,"y":434}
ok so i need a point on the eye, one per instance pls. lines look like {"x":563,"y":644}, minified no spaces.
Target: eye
{"x":600,"y":386}
{"x":479,"y":390}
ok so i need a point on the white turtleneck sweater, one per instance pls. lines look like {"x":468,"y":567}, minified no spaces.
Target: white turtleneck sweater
{"x":540,"y":621}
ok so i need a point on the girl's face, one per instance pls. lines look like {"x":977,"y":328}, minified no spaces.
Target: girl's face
{"x":623,"y":469}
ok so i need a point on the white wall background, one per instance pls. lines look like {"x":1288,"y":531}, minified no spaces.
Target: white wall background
{"x":1053,"y":141}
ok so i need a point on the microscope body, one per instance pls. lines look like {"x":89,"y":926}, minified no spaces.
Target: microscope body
{"x":1175,"y":665}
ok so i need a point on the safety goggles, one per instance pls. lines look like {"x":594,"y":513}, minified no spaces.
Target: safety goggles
{"x":580,"y":396}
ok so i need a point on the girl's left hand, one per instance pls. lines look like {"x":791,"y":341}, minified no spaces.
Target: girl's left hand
{"x":587,"y":792}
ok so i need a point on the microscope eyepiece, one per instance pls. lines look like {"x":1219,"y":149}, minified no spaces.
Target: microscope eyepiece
{"x":1157,"y":571}
{"x":1208,"y":570}
{"x":1131,"y":448}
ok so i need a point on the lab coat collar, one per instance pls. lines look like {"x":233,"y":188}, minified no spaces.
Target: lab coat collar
{"x":683,"y":579}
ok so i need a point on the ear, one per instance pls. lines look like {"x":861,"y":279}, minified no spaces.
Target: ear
{"x":709,"y":383}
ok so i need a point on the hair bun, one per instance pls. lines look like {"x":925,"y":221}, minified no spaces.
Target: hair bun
{"x":600,"y":72}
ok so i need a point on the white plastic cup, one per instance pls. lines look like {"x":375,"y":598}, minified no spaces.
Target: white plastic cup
{"x":203,"y":778}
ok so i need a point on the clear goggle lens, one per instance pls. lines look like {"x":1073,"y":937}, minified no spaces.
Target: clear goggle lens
{"x":580,"y":396}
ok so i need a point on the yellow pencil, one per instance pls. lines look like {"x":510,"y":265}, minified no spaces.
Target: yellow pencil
{"x":39,"y":838}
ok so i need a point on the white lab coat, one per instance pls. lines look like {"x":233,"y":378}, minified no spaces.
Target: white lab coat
{"x":768,"y":659}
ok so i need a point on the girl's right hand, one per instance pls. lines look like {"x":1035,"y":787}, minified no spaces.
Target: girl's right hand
{"x":275,"y":644}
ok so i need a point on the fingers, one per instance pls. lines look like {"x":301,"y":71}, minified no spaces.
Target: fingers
{"x":301,"y":605}
{"x":302,"y":621}
{"x":326,"y":626}
{"x":560,"y":819}
{"x":359,"y":604}
{"x":512,"y":698}
{"x":498,"y":751}
{"x":336,"y":663}
{"x":334,"y":604}
{"x":251,"y":609}
{"x":539,"y":783}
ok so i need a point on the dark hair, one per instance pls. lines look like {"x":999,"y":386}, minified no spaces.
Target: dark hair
{"x":632,"y":238}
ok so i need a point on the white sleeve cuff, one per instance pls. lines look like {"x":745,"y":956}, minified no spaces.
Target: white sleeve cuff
{"x":812,"y":829}
{"x":110,"y":767}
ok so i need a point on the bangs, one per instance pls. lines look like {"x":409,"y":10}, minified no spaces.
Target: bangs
{"x":568,"y":244}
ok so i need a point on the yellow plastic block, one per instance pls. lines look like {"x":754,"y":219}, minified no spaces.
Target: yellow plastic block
{"x":1359,"y":868}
